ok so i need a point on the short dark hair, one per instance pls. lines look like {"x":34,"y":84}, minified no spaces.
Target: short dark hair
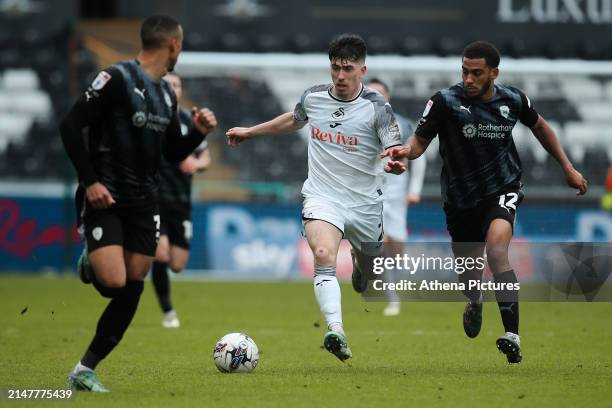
{"x":156,"y":30}
{"x":349,"y":47}
{"x":380,"y":82}
{"x":483,"y":49}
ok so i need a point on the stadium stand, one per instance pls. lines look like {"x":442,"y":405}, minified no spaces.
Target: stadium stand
{"x":35,"y":91}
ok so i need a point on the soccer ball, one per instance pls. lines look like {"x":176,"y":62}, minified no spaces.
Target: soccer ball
{"x":236,"y":353}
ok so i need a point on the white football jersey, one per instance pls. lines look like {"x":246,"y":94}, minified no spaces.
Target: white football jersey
{"x":345,"y":142}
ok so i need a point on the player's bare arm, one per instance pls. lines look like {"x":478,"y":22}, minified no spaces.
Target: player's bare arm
{"x":415,"y":147}
{"x":281,"y":124}
{"x":198,"y":162}
{"x":204,"y":120}
{"x":547,"y":138}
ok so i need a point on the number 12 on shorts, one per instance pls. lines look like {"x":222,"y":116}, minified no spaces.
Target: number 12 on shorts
{"x":508,"y":201}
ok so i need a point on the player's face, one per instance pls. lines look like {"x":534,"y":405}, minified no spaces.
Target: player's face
{"x":347,"y":76}
{"x":176,"y":84}
{"x":381,"y":89}
{"x":175,"y":46}
{"x":478,"y":77}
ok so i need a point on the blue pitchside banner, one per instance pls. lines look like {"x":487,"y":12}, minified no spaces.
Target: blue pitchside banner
{"x":256,"y":240}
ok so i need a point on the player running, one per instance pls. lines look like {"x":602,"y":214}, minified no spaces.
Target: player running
{"x":481,"y":175}
{"x":349,"y":125}
{"x":175,"y":210}
{"x":398,"y":193}
{"x":132,"y":118}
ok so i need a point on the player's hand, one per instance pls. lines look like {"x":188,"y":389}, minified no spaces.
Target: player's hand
{"x":397,"y":153}
{"x":237,"y":135}
{"x":99,"y":196}
{"x":574,"y":178}
{"x":412,"y":198}
{"x":189,"y":166}
{"x":204,"y":120}
{"x":395,"y":166}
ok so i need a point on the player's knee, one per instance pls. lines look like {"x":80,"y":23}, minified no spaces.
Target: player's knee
{"x":497,"y":256}
{"x":115,"y":282}
{"x":161,"y":254}
{"x":109,"y":286}
{"x":176,"y":267}
{"x":134,"y":288}
{"x":110,"y":292}
{"x":323,"y":256}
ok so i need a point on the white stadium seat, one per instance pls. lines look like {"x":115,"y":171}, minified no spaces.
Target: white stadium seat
{"x":595,"y":111}
{"x":582,"y":89}
{"x":582,"y":136}
{"x":20,"y":79}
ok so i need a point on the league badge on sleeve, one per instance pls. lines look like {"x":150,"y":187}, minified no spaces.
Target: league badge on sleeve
{"x":427,"y":108}
{"x":101,"y":80}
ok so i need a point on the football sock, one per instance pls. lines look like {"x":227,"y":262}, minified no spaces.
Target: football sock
{"x":327,"y":292}
{"x":337,"y":327}
{"x":80,"y":367}
{"x":113,"y":323}
{"x":161,"y":283}
{"x":473,"y":294}
{"x":508,"y":301}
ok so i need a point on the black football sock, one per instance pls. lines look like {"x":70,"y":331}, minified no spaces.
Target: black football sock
{"x":161,"y":282}
{"x":508,"y":301}
{"x":113,"y":323}
{"x":473,"y":294}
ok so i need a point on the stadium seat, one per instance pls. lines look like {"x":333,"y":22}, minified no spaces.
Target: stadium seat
{"x":587,"y":136}
{"x":15,"y":125}
{"x":582,"y":89}
{"x":378,"y":44}
{"x":20,"y":79}
{"x":414,"y":46}
{"x":595,"y":111}
{"x":596,"y":162}
{"x":305,"y":43}
{"x":35,"y":104}
{"x":232,"y":42}
{"x":270,"y":43}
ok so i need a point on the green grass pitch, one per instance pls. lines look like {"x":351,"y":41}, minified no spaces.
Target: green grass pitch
{"x":420,"y":358}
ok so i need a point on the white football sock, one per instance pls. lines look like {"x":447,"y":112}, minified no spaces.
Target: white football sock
{"x":327,"y":292}
{"x":80,"y":367}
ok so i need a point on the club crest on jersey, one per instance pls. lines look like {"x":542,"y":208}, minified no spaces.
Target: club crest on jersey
{"x":184,"y":129}
{"x":97,"y":233}
{"x":469,"y":130}
{"x":101,"y":80}
{"x":338,"y":114}
{"x":505,"y":111}
{"x":139,"y":119}
{"x":427,"y":108}
{"x":168,"y":99}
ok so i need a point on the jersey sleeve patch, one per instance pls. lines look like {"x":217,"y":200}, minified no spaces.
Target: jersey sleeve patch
{"x":427,"y":108}
{"x":100,"y":81}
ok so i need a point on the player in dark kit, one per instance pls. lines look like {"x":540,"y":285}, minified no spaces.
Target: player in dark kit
{"x":175,"y":211}
{"x":481,"y":176}
{"x":131,"y":116}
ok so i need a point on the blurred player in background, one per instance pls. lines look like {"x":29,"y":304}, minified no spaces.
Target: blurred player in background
{"x":349,"y":126}
{"x":606,"y":200}
{"x":132,"y":118}
{"x":481,"y":175}
{"x":398,"y":193}
{"x":175,"y":210}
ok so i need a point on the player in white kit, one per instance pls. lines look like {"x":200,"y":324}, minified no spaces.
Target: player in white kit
{"x":349,"y":126}
{"x":398,"y":193}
